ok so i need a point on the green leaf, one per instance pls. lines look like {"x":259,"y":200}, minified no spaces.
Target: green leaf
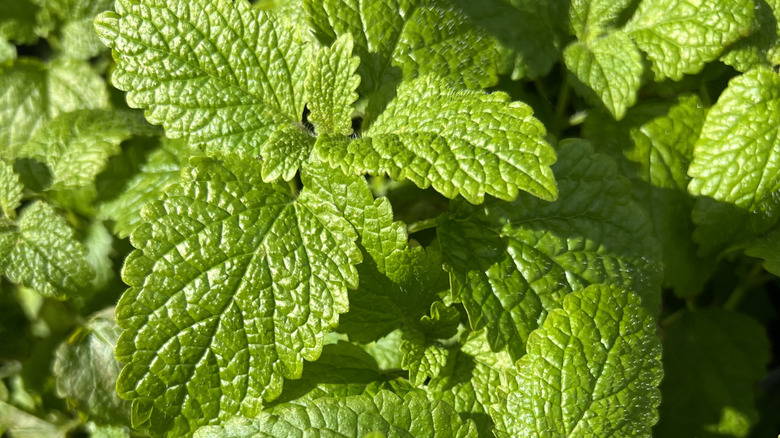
{"x":592,"y":370}
{"x":654,"y":146}
{"x":760,"y":48}
{"x":7,"y":51}
{"x":76,"y":37}
{"x":86,"y":371}
{"x":76,"y":145}
{"x":356,"y":416}
{"x":767,"y":248}
{"x":403,"y":39}
{"x":736,"y":162}
{"x":22,"y":424}
{"x":475,"y":143}
{"x":470,"y":379}
{"x":330,"y":88}
{"x":225,"y":75}
{"x":424,"y":355}
{"x":606,"y":70}
{"x":589,"y":19}
{"x":343,"y":370}
{"x":22,"y":21}
{"x":513,"y":263}
{"x":32,"y":93}
{"x":529,"y":31}
{"x":10,"y":190}
{"x":680,"y":36}
{"x":161,"y":169}
{"x":712,"y":361}
{"x":41,"y":253}
{"x":233,"y":285}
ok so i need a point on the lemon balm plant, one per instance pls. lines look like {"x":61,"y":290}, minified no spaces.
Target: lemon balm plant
{"x":424,"y":218}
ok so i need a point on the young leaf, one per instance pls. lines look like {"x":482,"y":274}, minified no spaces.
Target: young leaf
{"x":736,"y":161}
{"x":76,"y":145}
{"x":10,"y":191}
{"x":86,"y":371}
{"x":234,"y":283}
{"x":476,"y":143}
{"x":414,"y":416}
{"x":592,"y":370}
{"x":403,"y":39}
{"x":654,"y":146}
{"x":514,"y":262}
{"x":32,"y":93}
{"x":470,"y":379}
{"x":712,"y":360}
{"x":680,"y":36}
{"x":225,"y":76}
{"x":41,"y":253}
{"x":424,"y":356}
{"x":607,"y":69}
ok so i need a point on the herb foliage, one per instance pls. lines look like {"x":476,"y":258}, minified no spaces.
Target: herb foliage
{"x":369,"y":218}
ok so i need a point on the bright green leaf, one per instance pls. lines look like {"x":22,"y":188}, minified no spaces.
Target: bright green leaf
{"x":736,"y":162}
{"x":513,"y":263}
{"x":225,"y":75}
{"x":475,"y":143}
{"x":262,"y":272}
{"x":32,"y":93}
{"x":680,"y":36}
{"x":10,"y":191}
{"x":607,"y":69}
{"x":592,"y":369}
{"x":762,"y":47}
{"x":712,"y":360}
{"x":414,"y":416}
{"x":40,"y":252}
{"x":86,"y":371}
{"x":330,"y":88}
{"x":77,"y":38}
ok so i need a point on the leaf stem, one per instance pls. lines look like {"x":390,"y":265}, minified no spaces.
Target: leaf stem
{"x":294,"y":189}
{"x":561,"y":121}
{"x":705,"y":96}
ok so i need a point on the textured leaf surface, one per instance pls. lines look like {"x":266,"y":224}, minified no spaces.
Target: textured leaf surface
{"x":10,"y":190}
{"x":343,"y":370}
{"x":397,"y":39}
{"x":424,"y":354}
{"x":330,"y":88}
{"x":475,"y":143}
{"x":356,"y":416}
{"x":514,"y":262}
{"x":712,"y":360}
{"x":680,"y":36}
{"x":225,"y":75}
{"x":86,"y":371}
{"x":736,"y":161}
{"x":607,"y":70}
{"x":760,"y":48}
{"x":32,"y":93}
{"x":40,"y":252}
{"x":592,"y":370}
{"x":588,"y":19}
{"x":233,"y":285}
{"x":470,"y":378}
{"x":76,"y":145}
{"x":77,"y":38}
{"x":162,"y":169}
{"x":654,"y":146}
